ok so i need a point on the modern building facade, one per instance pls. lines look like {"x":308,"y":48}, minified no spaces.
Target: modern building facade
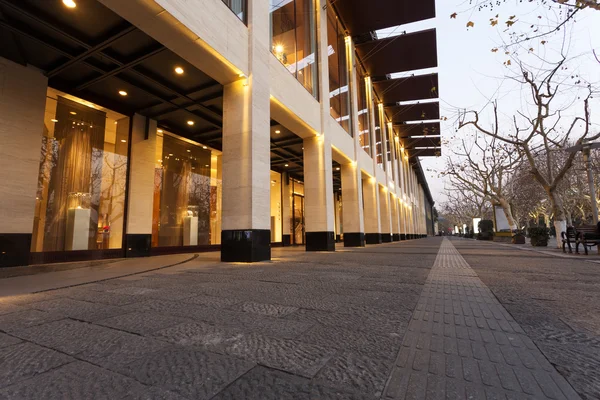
{"x":141,"y":127}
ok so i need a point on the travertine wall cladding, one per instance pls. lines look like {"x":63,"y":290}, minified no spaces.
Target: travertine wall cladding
{"x":22,"y":102}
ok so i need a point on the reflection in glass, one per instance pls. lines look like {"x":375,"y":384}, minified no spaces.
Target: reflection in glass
{"x":82,"y":180}
{"x":339,"y":94}
{"x":238,"y":7}
{"x":298,"y":232}
{"x":378,"y":142}
{"x":293,"y":39}
{"x":363,"y":113}
{"x":187,"y":193}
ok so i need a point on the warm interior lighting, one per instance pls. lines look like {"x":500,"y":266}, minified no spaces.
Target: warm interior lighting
{"x":242,"y":75}
{"x":189,"y":151}
{"x":279,"y":48}
{"x":286,"y":165}
{"x":179,"y":70}
{"x":54,"y":120}
{"x":204,"y":147}
{"x":337,"y":169}
{"x":69,"y":3}
{"x":278,"y":132}
{"x":122,"y":93}
{"x":73,"y":113}
{"x":160,"y":131}
{"x":123,"y":141}
{"x":190,"y":123}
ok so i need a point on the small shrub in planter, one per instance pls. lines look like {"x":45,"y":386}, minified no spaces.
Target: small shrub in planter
{"x":486,"y":230}
{"x":539,"y":236}
{"x":518,"y":237}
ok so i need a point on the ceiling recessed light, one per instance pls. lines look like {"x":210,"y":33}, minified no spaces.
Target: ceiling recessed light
{"x":207,"y":165}
{"x":337,"y":169}
{"x":189,"y":151}
{"x":69,"y":3}
{"x":171,"y":155}
{"x":179,"y":70}
{"x":123,"y":141}
{"x":190,"y":123}
{"x":278,"y":132}
{"x":73,"y":113}
{"x":160,"y":131}
{"x":204,"y":147}
{"x":54,"y":120}
{"x":286,"y":165}
{"x":122,"y":93}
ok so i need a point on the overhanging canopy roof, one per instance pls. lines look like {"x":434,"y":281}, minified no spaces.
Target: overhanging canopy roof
{"x":402,"y":53}
{"x":425,"y":129}
{"x":414,"y":112}
{"x":429,"y":141}
{"x":362,"y":16}
{"x":392,"y":91}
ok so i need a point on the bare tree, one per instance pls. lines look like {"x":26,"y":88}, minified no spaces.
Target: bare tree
{"x":484,"y":167}
{"x":543,"y":134}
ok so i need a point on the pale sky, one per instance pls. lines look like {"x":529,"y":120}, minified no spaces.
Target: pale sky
{"x":470,"y":72}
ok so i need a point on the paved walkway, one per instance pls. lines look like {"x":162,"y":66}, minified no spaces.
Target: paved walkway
{"x":408,"y":320}
{"x":461,"y":343}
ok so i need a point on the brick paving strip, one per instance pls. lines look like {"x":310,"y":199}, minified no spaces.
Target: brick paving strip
{"x":462,"y":344}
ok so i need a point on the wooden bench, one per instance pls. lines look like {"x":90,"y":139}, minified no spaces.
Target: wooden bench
{"x":588,"y":236}
{"x":569,"y":237}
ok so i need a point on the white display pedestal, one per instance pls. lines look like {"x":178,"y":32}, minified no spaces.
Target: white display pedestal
{"x":78,"y":229}
{"x":190,"y":231}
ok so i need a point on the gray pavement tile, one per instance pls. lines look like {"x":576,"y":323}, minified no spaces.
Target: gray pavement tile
{"x":77,"y":309}
{"x":7,"y":340}
{"x":270,"y":310}
{"x":262,"y":383}
{"x":197,"y":334}
{"x":352,"y":340}
{"x":143,"y":323}
{"x":7,"y":308}
{"x":188,"y":372}
{"x":26,"y":360}
{"x":77,"y":380}
{"x":212,"y":301}
{"x":91,"y":296}
{"x":131,"y":290}
{"x":356,"y":372}
{"x":24,"y":319}
{"x":25,"y":299}
{"x":287,"y":355}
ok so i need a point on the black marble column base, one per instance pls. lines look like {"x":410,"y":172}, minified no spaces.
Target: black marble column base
{"x":373,"y":238}
{"x":396,"y":237}
{"x":14,"y":249}
{"x":138,"y":244}
{"x":403,"y":236}
{"x":251,"y":245}
{"x":354,"y":239}
{"x":338,"y":238}
{"x":386,"y":238}
{"x":286,"y":240}
{"x":320,"y":241}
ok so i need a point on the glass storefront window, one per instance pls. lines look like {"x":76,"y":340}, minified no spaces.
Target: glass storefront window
{"x":339,"y":90}
{"x":238,"y":7}
{"x":378,"y":143}
{"x":276,"y":208}
{"x":187,"y":193}
{"x":390,"y":144}
{"x":80,"y":200}
{"x":363,"y":113}
{"x":294,"y":39}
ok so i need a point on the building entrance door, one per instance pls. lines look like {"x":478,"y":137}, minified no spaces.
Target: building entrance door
{"x":298,"y":219}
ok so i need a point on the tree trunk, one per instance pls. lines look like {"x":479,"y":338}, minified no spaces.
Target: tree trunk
{"x":560,"y":223}
{"x":508,"y":212}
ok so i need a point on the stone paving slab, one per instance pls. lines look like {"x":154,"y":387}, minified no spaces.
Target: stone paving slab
{"x":462,"y":343}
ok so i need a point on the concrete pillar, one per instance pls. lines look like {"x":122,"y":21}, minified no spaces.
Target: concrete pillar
{"x":395,"y":207}
{"x":142,"y":159}
{"x":318,"y":194}
{"x":352,"y":206}
{"x":286,"y":209}
{"x":372,"y":215}
{"x":384,"y":209}
{"x":246,"y":235}
{"x":22,"y":104}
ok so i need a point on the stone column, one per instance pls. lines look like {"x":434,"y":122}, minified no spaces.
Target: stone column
{"x":395,"y":207}
{"x":140,"y":186}
{"x":286,"y":209}
{"x":246,"y":235}
{"x":352,"y":210}
{"x":318,"y":194}
{"x":386,"y":220}
{"x":22,"y":104}
{"x":372,"y":215}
